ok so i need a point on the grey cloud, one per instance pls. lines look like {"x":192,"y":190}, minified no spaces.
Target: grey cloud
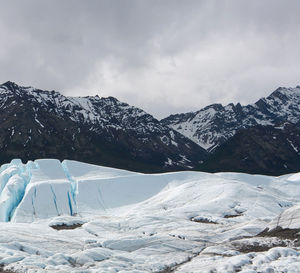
{"x":163,"y":56}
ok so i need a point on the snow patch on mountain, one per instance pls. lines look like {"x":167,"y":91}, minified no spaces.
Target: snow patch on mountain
{"x":90,"y":110}
{"x":214,"y":124}
{"x":146,"y":140}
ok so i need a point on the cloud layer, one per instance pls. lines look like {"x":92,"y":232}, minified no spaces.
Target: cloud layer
{"x":163,"y":56}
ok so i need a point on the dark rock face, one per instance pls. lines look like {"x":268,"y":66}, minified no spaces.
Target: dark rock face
{"x":215,"y":124}
{"x":259,"y":150}
{"x":46,"y":124}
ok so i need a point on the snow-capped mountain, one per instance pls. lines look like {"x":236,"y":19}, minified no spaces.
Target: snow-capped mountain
{"x":39,"y":124}
{"x":214,"y":124}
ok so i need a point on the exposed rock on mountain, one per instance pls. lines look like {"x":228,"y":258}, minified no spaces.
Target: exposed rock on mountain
{"x":214,"y":124}
{"x":260,"y":149}
{"x":46,"y":124}
{"x":43,"y":124}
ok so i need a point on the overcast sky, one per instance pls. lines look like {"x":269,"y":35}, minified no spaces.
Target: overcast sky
{"x":163,"y":56}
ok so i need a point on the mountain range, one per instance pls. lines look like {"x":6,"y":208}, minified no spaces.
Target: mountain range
{"x":45,"y":124}
{"x":213,"y":125}
{"x":257,"y":138}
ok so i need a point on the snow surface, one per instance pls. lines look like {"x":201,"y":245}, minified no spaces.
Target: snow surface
{"x":133,"y":222}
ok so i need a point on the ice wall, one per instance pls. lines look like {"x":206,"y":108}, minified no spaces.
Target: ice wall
{"x":48,"y":193}
{"x":46,"y":188}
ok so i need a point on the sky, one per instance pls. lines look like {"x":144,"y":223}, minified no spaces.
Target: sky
{"x":165,"y":57}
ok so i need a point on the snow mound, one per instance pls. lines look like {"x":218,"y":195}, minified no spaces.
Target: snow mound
{"x":288,"y":219}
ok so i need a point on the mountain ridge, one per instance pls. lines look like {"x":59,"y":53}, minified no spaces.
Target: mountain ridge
{"x":212,"y":125}
{"x":39,"y":124}
{"x":105,"y":131}
{"x":269,"y":150}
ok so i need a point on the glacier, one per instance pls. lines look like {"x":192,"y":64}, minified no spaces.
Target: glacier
{"x":75,"y":217}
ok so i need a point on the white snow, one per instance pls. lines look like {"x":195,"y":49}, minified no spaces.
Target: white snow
{"x":277,"y":259}
{"x":203,"y":127}
{"x":133,"y":222}
{"x":293,"y":146}
{"x":289,"y":218}
{"x":39,"y":122}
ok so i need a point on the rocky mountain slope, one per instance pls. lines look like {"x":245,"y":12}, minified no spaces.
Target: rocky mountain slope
{"x":46,"y":124}
{"x":259,"y":149}
{"x":259,"y":138}
{"x":214,"y":124}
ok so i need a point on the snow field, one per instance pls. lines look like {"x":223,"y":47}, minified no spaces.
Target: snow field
{"x":132,"y":222}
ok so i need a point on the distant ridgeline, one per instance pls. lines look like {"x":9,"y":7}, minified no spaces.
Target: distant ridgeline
{"x":104,"y":131}
{"x":258,"y":138}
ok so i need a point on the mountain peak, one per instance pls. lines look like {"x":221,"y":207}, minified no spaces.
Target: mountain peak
{"x":40,"y":123}
{"x":10,"y":85}
{"x":286,"y":91}
{"x":214,"y":124}
{"x":14,"y":88}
